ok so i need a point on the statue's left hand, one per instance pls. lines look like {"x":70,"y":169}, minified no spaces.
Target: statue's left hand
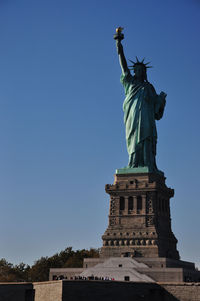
{"x":163,"y":94}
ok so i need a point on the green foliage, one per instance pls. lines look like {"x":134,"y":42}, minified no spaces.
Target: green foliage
{"x":40,"y":269}
{"x":10,"y":272}
{"x":76,"y":260}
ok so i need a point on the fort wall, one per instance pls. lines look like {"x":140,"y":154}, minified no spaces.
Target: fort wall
{"x":65,"y":290}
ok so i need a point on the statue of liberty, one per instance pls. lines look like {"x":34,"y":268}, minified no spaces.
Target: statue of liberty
{"x":142,"y":106}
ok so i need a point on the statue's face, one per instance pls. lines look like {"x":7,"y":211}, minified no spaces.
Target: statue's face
{"x":139,"y":71}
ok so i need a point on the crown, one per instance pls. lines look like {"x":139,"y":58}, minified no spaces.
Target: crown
{"x":139,"y":63}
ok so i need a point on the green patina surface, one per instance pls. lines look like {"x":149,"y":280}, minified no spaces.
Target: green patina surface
{"x":128,"y":170}
{"x":142,"y":107}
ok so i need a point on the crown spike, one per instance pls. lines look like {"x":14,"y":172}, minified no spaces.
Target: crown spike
{"x":137,"y":60}
{"x":132,"y":62}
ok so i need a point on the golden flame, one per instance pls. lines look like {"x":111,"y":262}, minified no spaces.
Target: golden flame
{"x":119,"y":29}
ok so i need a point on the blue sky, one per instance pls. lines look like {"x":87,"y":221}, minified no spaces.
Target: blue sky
{"x":61,"y":120}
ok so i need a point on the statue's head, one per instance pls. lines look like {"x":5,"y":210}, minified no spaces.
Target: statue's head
{"x":140,"y":72}
{"x":140,"y":69}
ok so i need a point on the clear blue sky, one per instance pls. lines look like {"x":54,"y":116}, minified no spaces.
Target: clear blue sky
{"x":61,"y":120}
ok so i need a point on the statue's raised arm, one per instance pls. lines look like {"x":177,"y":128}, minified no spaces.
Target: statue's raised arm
{"x":118,"y":37}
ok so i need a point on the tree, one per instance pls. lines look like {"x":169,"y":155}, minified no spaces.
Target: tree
{"x":9,"y":272}
{"x":67,"y":258}
{"x":39,"y":271}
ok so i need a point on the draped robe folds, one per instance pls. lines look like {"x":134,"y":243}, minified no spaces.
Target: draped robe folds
{"x":141,"y":107}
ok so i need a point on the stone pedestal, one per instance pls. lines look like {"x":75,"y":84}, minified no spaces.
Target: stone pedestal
{"x":139,"y":217}
{"x":139,"y":227}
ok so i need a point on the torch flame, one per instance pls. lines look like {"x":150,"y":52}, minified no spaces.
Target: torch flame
{"x":119,"y":30}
